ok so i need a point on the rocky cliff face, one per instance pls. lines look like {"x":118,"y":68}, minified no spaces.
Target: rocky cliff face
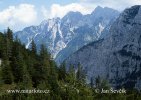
{"x":64,"y":36}
{"x":88,"y":28}
{"x":116,"y":58}
{"x":47,"y":33}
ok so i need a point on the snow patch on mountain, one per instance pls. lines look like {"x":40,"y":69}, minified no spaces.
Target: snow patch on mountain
{"x":64,"y":36}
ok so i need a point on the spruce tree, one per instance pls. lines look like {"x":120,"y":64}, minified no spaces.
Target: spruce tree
{"x":92,"y":82}
{"x":9,"y":42}
{"x":10,"y":34}
{"x":53,"y":81}
{"x":33,"y":47}
{"x":80,"y":75}
{"x":62,"y":72}
{"x":17,"y":62}
{"x":98,"y":82}
{"x":71,"y":76}
{"x":7,"y":76}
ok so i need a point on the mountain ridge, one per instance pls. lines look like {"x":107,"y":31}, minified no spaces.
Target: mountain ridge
{"x":59,"y":34}
{"x":117,"y":57}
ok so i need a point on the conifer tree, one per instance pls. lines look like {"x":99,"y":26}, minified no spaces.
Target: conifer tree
{"x":44,"y":63}
{"x":17,"y":62}
{"x":33,"y":47}
{"x":71,"y":76}
{"x":7,"y":76}
{"x":10,"y":34}
{"x":6,"y":54}
{"x":62,"y":72}
{"x":92,"y":82}
{"x":9,"y":42}
{"x":27,"y":82}
{"x":53,"y":76}
{"x":80,"y":75}
{"x":98,"y":81}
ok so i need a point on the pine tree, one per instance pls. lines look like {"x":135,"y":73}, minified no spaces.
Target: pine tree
{"x":45,"y":61}
{"x":33,"y":47}
{"x":9,"y":42}
{"x":7,"y":76}
{"x":6,"y":55}
{"x":71,"y":76}
{"x":17,"y":62}
{"x":53,"y":76}
{"x":41,"y":67}
{"x":92,"y":82}
{"x":80,"y":75}
{"x":9,"y":34}
{"x":44,"y":53}
{"x":62,"y":72}
{"x":27,"y":82}
{"x":27,"y":69}
{"x":1,"y":43}
{"x":98,"y":82}
{"x":19,"y":68}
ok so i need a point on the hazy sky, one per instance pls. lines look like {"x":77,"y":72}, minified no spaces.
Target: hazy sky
{"x":18,"y":14}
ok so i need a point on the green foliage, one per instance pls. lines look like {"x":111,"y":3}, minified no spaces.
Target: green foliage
{"x":33,"y":47}
{"x":62,"y":72}
{"x":7,"y":76}
{"x":80,"y":75}
{"x":24,"y":69}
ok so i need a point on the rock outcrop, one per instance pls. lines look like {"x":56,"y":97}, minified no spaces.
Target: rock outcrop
{"x":117,"y":57}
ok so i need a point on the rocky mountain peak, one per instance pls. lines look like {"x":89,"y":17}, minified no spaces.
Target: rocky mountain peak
{"x":130,"y":15}
{"x":116,"y":58}
{"x":73,"y":13}
{"x":98,"y":8}
{"x":68,"y":34}
{"x":72,"y":18}
{"x":104,"y":11}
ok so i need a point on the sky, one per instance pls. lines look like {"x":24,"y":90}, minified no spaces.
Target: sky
{"x":18,"y":14}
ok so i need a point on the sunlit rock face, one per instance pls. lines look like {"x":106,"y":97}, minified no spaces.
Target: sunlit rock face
{"x":117,"y":57}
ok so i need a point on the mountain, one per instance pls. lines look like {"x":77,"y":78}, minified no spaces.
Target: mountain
{"x":65,"y":36}
{"x":47,"y":33}
{"x":89,"y":28}
{"x":116,"y":58}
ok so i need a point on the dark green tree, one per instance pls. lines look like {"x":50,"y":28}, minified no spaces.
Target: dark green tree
{"x":62,"y":72}
{"x":80,"y":75}
{"x":9,"y":42}
{"x":98,"y":81}
{"x":7,"y":76}
{"x":33,"y":47}
{"x":71,"y":75}
{"x":92,"y":82}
